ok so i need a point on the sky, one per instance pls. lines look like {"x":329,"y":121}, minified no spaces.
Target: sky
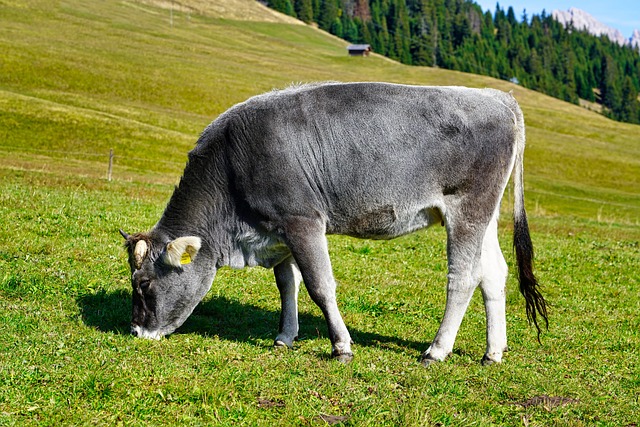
{"x":621,"y":14}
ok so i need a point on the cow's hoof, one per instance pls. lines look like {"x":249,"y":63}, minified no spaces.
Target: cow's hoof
{"x":280,"y":345}
{"x":426,"y":360}
{"x":343,"y":357}
{"x":487,"y":361}
{"x":284,"y":342}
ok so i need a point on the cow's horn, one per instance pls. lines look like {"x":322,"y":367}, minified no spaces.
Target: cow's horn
{"x":124,"y":234}
{"x":139,"y":252}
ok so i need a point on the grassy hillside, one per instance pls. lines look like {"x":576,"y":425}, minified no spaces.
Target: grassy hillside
{"x":118,"y":75}
{"x":78,"y":78}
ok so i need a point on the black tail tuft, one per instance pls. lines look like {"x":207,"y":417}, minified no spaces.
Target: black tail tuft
{"x":529,"y":287}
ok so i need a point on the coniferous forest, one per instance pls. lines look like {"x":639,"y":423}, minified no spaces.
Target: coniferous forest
{"x":536,"y":51}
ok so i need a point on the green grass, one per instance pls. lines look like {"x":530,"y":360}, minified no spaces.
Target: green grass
{"x":78,"y":78}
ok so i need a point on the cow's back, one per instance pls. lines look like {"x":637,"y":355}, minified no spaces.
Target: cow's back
{"x":379,"y":153}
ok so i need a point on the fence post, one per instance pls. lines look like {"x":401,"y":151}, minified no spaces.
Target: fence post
{"x":171,"y":14}
{"x":110,"y":164}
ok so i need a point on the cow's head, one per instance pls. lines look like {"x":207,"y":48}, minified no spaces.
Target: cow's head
{"x":168,"y":278}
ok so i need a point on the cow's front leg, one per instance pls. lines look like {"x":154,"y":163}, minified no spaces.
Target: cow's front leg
{"x":288,"y":279}
{"x":308,"y":244}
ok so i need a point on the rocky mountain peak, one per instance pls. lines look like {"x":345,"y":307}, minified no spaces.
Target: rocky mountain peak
{"x":584,"y":21}
{"x":634,"y":40}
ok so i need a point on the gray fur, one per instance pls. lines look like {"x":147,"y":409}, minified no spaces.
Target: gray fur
{"x":269,"y":178}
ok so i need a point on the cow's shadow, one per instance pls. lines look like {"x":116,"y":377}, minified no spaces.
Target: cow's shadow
{"x":227,"y":319}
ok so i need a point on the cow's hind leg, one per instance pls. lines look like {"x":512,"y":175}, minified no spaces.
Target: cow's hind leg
{"x":492,"y":284}
{"x":288,"y":279}
{"x":464,"y":241}
{"x":308,"y":244}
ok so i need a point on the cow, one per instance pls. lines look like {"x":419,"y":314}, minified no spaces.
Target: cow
{"x":272,"y":176}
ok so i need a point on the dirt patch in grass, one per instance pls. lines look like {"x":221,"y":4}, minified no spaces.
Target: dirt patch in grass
{"x":333,"y":419}
{"x":270,"y":403}
{"x":548,"y":402}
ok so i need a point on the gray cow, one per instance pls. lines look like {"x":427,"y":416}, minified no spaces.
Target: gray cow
{"x":272,"y":176}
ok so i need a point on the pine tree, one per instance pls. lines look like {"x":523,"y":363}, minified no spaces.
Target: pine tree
{"x":629,"y":108}
{"x":544,"y":55}
{"x":284,"y":6}
{"x":328,"y":14}
{"x":304,"y":10}
{"x":610,"y":92}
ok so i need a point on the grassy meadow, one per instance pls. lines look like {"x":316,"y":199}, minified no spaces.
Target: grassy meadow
{"x":78,"y":78}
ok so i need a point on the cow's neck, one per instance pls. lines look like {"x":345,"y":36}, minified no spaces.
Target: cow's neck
{"x":201,"y":206}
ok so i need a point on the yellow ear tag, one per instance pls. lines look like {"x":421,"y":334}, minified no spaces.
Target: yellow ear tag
{"x":185,"y":258}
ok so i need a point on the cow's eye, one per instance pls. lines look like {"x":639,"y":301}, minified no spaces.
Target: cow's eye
{"x":144,"y":285}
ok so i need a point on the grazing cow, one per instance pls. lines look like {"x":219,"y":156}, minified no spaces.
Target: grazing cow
{"x":271,"y":177}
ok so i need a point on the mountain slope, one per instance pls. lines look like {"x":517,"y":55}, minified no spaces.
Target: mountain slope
{"x":246,"y":10}
{"x":119,"y":75}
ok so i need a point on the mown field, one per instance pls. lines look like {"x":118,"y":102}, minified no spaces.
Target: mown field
{"x":78,"y":78}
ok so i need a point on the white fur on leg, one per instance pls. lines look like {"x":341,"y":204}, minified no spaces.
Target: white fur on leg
{"x":494,"y":276}
{"x":289,"y":286}
{"x":459,"y":292}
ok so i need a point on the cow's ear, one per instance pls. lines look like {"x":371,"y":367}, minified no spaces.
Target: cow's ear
{"x":139,"y":252}
{"x":182,"y":250}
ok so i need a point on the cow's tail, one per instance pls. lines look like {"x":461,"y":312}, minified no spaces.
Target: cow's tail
{"x":529,"y":287}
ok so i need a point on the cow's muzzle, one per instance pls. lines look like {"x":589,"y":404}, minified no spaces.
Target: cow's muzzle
{"x":139,"y":331}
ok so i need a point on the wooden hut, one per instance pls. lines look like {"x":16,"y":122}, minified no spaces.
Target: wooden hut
{"x":359,"y":49}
